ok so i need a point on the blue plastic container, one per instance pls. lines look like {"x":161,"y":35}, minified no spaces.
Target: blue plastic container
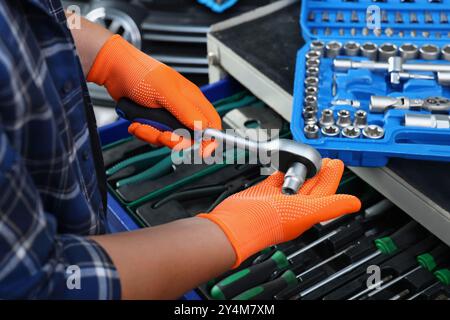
{"x":398,"y":141}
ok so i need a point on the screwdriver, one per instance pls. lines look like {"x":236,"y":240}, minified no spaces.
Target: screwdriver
{"x":269,"y":289}
{"x":404,"y":237}
{"x":424,"y":290}
{"x":428,"y":261}
{"x":261,"y":272}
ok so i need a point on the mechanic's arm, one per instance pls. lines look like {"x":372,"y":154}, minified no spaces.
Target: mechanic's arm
{"x":166,"y":261}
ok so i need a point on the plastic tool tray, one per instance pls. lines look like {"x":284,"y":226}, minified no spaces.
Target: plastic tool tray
{"x":420,"y":23}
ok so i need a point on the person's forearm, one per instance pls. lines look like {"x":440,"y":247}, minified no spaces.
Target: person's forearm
{"x":166,"y":261}
{"x":89,"y":39}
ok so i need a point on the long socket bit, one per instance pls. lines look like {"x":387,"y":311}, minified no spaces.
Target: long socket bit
{"x":346,"y":64}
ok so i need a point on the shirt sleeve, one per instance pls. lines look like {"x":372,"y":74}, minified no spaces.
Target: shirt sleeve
{"x":35,"y":261}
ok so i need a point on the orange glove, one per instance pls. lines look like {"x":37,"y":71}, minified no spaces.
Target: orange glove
{"x":127,"y":72}
{"x":262,"y":216}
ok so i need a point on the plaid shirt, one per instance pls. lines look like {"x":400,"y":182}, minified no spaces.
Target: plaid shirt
{"x":49,"y":191}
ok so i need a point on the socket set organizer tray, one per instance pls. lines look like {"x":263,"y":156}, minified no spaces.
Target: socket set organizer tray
{"x":373,"y":80}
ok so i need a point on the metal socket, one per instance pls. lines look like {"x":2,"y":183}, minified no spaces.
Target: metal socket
{"x":370,"y":51}
{"x":429,"y":52}
{"x":310,"y":101}
{"x":317,"y":45}
{"x":373,"y":131}
{"x":311,"y":131}
{"x":313,"y":63}
{"x":326,"y":118}
{"x":312,"y":72}
{"x":351,"y":48}
{"x":445,"y":51}
{"x":344,"y":119}
{"x":313,"y":55}
{"x":311,"y":91}
{"x":333,"y":49}
{"x":331,"y":131}
{"x":312,"y":82}
{"x":360,"y":119}
{"x":351,"y":132}
{"x":408,"y":51}
{"x":386,"y":50}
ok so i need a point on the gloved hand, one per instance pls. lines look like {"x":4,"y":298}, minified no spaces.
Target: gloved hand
{"x":127,"y":72}
{"x":262,"y":216}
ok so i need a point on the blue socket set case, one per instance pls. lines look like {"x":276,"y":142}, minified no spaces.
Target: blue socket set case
{"x":373,"y":80}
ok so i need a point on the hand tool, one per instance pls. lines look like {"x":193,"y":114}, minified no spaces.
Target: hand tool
{"x":346,"y":102}
{"x":269,"y":289}
{"x":370,"y":288}
{"x":339,"y":16}
{"x":380,"y":104}
{"x":437,"y":283}
{"x":311,"y":91}
{"x":311,"y":101}
{"x":428,"y":17}
{"x":344,"y":119}
{"x":346,"y":64}
{"x":312,"y":82}
{"x":389,"y":32}
{"x":297,"y":161}
{"x":398,"y":17}
{"x":326,"y":118}
{"x":373,"y":131}
{"x":378,"y":208}
{"x":317,"y":45}
{"x":313,"y":63}
{"x":354,"y":16}
{"x":429,"y":52}
{"x":386,"y":50}
{"x":400,"y":295}
{"x":325,"y":16}
{"x":399,"y":240}
{"x":313,"y":55}
{"x":258,"y":273}
{"x":351,"y":132}
{"x":360,"y":120}
{"x":351,"y":48}
{"x":384,"y":16}
{"x":331,"y":131}
{"x":312,"y":72}
{"x":309,"y":115}
{"x":311,"y":16}
{"x":445,"y":51}
{"x":370,"y":51}
{"x":408,"y":51}
{"x":413,"y":17}
{"x":333,"y":49}
{"x":311,"y":131}
{"x":428,"y":261}
{"x":439,"y":121}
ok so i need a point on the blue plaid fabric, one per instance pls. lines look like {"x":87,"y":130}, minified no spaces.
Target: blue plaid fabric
{"x":49,"y":191}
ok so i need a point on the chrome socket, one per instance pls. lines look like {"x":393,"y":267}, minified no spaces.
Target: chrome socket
{"x":312,"y":72}
{"x":373,"y":131}
{"x":313,"y":63}
{"x":331,"y":131}
{"x":343,"y":119}
{"x":386,"y":50}
{"x":311,"y":131}
{"x":445,"y":51}
{"x":312,"y":55}
{"x":317,"y":45}
{"x":351,"y":132}
{"x":310,"y":101}
{"x":311,"y":82}
{"x":360,"y":119}
{"x":429,"y":52}
{"x":369,"y":50}
{"x":351,"y":48}
{"x":333,"y":49}
{"x":408,"y":51}
{"x":326,"y":118}
{"x":309,"y":115}
{"x":311,"y":91}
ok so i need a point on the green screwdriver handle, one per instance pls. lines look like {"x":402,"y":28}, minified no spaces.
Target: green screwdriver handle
{"x":249,"y":277}
{"x":407,"y":235}
{"x":430,"y":260}
{"x":269,"y":289}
